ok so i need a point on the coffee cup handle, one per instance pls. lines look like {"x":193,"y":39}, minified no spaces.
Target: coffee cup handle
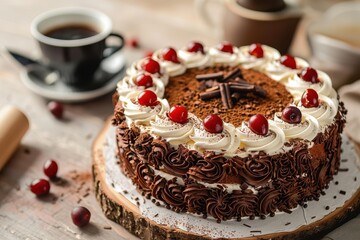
{"x":202,"y":8}
{"x":110,"y":50}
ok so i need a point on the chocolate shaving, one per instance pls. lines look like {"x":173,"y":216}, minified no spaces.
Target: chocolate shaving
{"x":232,"y":75}
{"x":211,"y":76}
{"x":228,"y":87}
{"x":225,"y":95}
{"x":342,"y":192}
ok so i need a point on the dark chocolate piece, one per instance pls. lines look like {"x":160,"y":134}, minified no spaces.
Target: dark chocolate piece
{"x":211,"y":76}
{"x":225,"y":95}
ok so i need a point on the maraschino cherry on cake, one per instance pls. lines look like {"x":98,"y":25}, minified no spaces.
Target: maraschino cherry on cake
{"x":226,"y":132}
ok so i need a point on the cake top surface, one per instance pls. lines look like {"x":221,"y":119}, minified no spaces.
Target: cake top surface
{"x":161,"y":95}
{"x":185,"y":90}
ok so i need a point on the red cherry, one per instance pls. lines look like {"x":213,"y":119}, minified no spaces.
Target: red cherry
{"x":309,"y":75}
{"x":144,"y":80}
{"x":256,"y":50}
{"x":291,"y":114}
{"x":147,"y":98}
{"x":133,"y":42}
{"x":80,"y":216}
{"x":195,"y":47}
{"x":213,"y":124}
{"x":310,"y":98}
{"x":50,"y":168}
{"x":169,"y":54}
{"x":40,"y":187}
{"x":150,"y":66}
{"x":178,"y":114}
{"x":56,"y":109}
{"x":288,"y":61}
{"x":259,"y":124}
{"x":226,"y":47}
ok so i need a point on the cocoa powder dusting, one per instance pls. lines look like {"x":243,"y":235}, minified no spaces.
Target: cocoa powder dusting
{"x":185,"y":89}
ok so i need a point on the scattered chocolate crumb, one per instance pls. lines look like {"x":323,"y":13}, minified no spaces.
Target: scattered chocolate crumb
{"x":342,"y":192}
{"x":305,"y":205}
{"x":107,"y":227}
{"x":313,"y":217}
{"x":86,"y":194}
{"x":255,"y":231}
{"x":334,"y":197}
{"x":125,"y":192}
{"x":288,"y":223}
{"x":336,"y":183}
{"x":157,"y":204}
{"x":355,"y":179}
{"x":156,"y":215}
{"x":113,"y":185}
{"x":327,"y":208}
{"x":246,"y":225}
{"x":343,"y":169}
{"x":136,"y":199}
{"x":153,"y":200}
{"x":262,"y":217}
{"x":344,"y":160}
{"x":79,"y":200}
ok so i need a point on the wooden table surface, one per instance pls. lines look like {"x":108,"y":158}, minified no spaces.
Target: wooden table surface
{"x":22,"y":215}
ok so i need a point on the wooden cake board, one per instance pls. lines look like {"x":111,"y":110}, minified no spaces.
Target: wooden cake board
{"x":119,"y":209}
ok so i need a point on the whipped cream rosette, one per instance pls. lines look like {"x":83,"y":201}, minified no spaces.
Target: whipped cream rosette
{"x":173,"y":68}
{"x":222,"y":57}
{"x":296,"y":85}
{"x":194,"y":59}
{"x":128,"y":84}
{"x":270,"y":143}
{"x":227,"y":141}
{"x":324,"y":113}
{"x":279,"y":72}
{"x":138,"y":114}
{"x":174,"y":133}
{"x":249,"y":61}
{"x":307,"y":129}
{"x":137,"y":67}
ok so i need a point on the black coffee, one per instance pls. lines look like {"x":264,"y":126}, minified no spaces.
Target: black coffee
{"x":71,"y":32}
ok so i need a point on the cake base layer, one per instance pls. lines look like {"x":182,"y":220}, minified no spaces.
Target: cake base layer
{"x":127,"y":208}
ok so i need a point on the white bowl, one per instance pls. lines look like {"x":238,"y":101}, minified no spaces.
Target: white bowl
{"x":335,"y":42}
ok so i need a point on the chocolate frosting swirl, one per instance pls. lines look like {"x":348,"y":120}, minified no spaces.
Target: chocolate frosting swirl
{"x":284,"y":168}
{"x":257,"y":171}
{"x":232,"y":166}
{"x":159,"y":151}
{"x":243,"y":203}
{"x":119,"y":115}
{"x":157,"y":187}
{"x":217,"y":205}
{"x":173,"y":195}
{"x":195,"y":196}
{"x":143,"y":146}
{"x":303,"y":159}
{"x":209,"y":169}
{"x":144,"y":176}
{"x":179,"y":161}
{"x":268,"y":200}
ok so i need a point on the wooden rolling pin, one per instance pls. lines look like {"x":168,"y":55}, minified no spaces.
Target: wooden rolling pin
{"x":13,"y":126}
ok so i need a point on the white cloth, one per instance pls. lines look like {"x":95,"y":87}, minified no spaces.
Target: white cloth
{"x":350,"y":95}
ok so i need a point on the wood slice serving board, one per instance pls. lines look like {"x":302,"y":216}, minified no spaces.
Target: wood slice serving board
{"x":121,"y":203}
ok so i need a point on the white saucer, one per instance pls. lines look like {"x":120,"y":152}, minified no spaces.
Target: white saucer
{"x":113,"y":69}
